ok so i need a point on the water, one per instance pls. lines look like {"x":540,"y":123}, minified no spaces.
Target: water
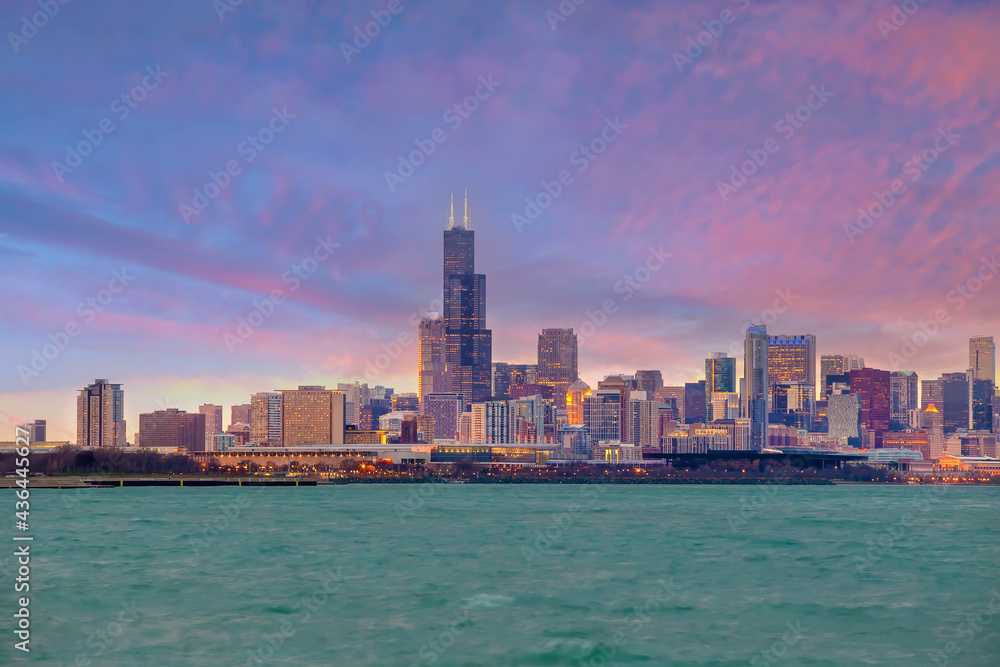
{"x":464,"y":575}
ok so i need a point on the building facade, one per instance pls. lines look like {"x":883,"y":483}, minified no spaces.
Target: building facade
{"x":432,"y":357}
{"x":100,"y":415}
{"x":557,"y":361}
{"x":756,"y":383}
{"x":172,"y":428}
{"x":312,"y":415}
{"x":265,"y":419}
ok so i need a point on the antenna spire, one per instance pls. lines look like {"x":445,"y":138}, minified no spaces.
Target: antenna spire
{"x":466,"y":221}
{"x":451,"y":218}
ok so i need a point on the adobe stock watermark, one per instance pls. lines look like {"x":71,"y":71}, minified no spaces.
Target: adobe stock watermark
{"x":963,"y":292}
{"x":414,"y":501}
{"x":581,"y":158}
{"x":223,"y":7}
{"x":633,"y":622}
{"x":250,"y":148}
{"x":784,"y":300}
{"x":627,"y":287}
{"x":403,"y":339}
{"x":87,"y":311}
{"x":779,"y":649}
{"x":104,"y":639}
{"x":974,"y":624}
{"x":455,"y":116}
{"x":787,"y":125}
{"x":122,"y":106}
{"x":563,"y":11}
{"x":434,"y":648}
{"x":553,"y":533}
{"x":264,"y":309}
{"x":37,"y":21}
{"x":915,"y":168}
{"x":306,"y":607}
{"x":750,"y":509}
{"x":714,"y":28}
{"x":898,"y":18}
{"x":879,"y":546}
{"x":364,"y":35}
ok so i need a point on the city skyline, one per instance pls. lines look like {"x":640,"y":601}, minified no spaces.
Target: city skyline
{"x":165,"y":291}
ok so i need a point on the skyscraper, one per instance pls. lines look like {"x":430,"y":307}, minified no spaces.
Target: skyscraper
{"x":100,"y":415}
{"x":602,"y":415}
{"x":619,"y":384}
{"x":981,"y":408}
{"x":873,"y":389}
{"x":903,"y":387}
{"x":432,"y":357}
{"x":792,"y":359}
{"x":650,"y":381}
{"x":213,"y":418}
{"x":469,"y":344}
{"x":312,"y":415}
{"x":695,"y":402}
{"x":756,"y":384}
{"x":265,"y":418}
{"x":240,"y":414}
{"x":982,"y":358}
{"x":577,"y":391}
{"x":173,"y":428}
{"x":557,"y":361}
{"x":955,"y":396}
{"x":720,"y":378}
{"x":445,"y":409}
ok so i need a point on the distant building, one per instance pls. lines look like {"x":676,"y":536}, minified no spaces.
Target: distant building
{"x":756,"y":384}
{"x":934,"y":425}
{"x":873,"y":388}
{"x":623,"y":387}
{"x":695,"y":403}
{"x":982,"y":359}
{"x":356,"y":396}
{"x":240,"y":414}
{"x":494,"y":422}
{"x":981,"y":409}
{"x":172,"y":428}
{"x":312,"y":415}
{"x":213,"y":419}
{"x":844,"y":417}
{"x":720,"y":378}
{"x":644,"y":429}
{"x":265,"y":419}
{"x":445,"y":408}
{"x":432,"y":357}
{"x":904,"y":386}
{"x":100,"y":415}
{"x":916,"y":440}
{"x":505,"y":376}
{"x":792,"y":359}
{"x":523,"y":390}
{"x":602,"y":415}
{"x":36,"y":430}
{"x":577,"y":391}
{"x":649,"y":382}
{"x":557,"y":361}
{"x":408,"y":402}
{"x":674,"y":395}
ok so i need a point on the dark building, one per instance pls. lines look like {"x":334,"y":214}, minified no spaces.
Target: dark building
{"x":955,"y":396}
{"x":368,"y":417}
{"x":524,"y":390}
{"x":507,"y":375}
{"x":408,"y":432}
{"x":618,"y":383}
{"x":172,"y":428}
{"x":36,"y":430}
{"x":874,"y":390}
{"x":557,"y":361}
{"x":649,"y":382}
{"x":469,"y":343}
{"x":695,"y":403}
{"x":982,"y":405}
{"x":720,"y":374}
{"x":406,"y":403}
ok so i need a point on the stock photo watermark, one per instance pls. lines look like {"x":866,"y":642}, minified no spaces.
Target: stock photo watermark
{"x":897,"y":19}
{"x":787,"y":125}
{"x":264,"y":309}
{"x":87,"y":311}
{"x":122,"y":107}
{"x":973,"y":624}
{"x":696,"y":44}
{"x":250,"y":148}
{"x":31,"y":25}
{"x":455,"y":116}
{"x":581,"y":158}
{"x":102,"y":640}
{"x":780,"y":648}
{"x":365,"y":34}
{"x":563,"y":11}
{"x":915,"y":168}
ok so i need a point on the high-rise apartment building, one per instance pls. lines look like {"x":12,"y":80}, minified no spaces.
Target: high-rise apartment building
{"x":649,"y":382}
{"x":982,"y":358}
{"x":904,"y":386}
{"x":672,"y":394}
{"x":756,"y":384}
{"x":356,"y":396}
{"x":446,"y":409}
{"x":575,"y":395}
{"x":792,"y":359}
{"x":602,"y":415}
{"x":837,"y":364}
{"x":100,"y":415}
{"x":469,"y":343}
{"x":505,"y":376}
{"x":172,"y":428}
{"x":240,"y":414}
{"x":432,"y":357}
{"x":720,"y":378}
{"x":213,"y":418}
{"x":645,"y":421}
{"x":557,"y":361}
{"x":494,"y":422}
{"x":265,"y":419}
{"x":312,"y":415}
{"x":619,"y":384}
{"x":873,"y":389}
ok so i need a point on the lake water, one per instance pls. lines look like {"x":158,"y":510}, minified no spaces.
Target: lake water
{"x":513,"y":575}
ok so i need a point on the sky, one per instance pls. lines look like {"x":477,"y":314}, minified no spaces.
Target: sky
{"x":656,"y":175}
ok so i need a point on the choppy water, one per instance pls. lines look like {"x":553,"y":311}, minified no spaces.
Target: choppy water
{"x":465,"y":575}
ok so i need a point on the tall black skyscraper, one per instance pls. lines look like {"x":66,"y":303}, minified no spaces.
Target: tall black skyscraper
{"x":469,"y":343}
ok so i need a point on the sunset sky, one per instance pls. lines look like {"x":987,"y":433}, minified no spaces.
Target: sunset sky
{"x":881,"y":95}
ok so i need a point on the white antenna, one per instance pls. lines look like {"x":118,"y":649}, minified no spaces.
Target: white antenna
{"x":451,"y":218}
{"x":466,"y":221}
